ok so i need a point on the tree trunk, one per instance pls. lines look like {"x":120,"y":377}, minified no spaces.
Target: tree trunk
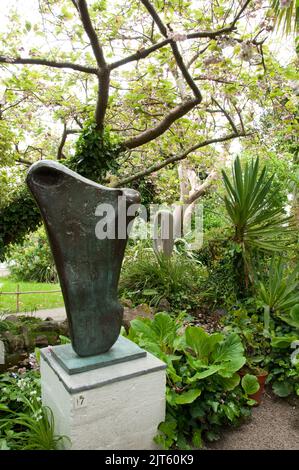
{"x":191,"y":189}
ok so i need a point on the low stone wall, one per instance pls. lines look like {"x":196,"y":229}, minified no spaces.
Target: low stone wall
{"x":20,"y":335}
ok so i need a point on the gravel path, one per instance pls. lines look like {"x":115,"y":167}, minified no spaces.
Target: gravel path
{"x":274,"y":426}
{"x":57,"y":314}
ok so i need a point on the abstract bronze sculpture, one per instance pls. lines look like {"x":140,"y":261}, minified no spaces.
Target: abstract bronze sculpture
{"x":88,"y":267}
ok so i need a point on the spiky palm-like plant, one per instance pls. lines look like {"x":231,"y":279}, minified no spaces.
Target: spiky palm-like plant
{"x":279,"y":291}
{"x":259,"y":223}
{"x":287,"y":15}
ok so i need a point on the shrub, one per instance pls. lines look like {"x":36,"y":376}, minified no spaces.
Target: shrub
{"x":33,"y":261}
{"x":283,"y":370}
{"x":279,"y":291}
{"x":17,"y":218}
{"x":272,"y":353}
{"x":217,"y":254}
{"x":203,"y":387}
{"x":149,"y":277}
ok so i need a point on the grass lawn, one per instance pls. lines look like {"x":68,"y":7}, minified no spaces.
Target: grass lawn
{"x":28,"y":302}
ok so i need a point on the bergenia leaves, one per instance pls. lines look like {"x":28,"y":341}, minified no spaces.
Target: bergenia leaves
{"x":202,"y":343}
{"x":214,"y":353}
{"x":250,"y":384}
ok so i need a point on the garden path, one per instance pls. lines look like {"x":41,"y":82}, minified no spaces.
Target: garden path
{"x":57,"y":314}
{"x":274,"y":426}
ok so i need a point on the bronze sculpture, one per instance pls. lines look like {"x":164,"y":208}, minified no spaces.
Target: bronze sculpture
{"x":88,"y":267}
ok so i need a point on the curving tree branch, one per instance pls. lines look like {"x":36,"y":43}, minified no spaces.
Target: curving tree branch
{"x":143,"y":53}
{"x":154,"y":132}
{"x":103,"y":71}
{"x":82,"y":8}
{"x":220,"y":32}
{"x":140,"y":54}
{"x":168,"y":161}
{"x":48,"y":63}
{"x":65,"y":133}
{"x":226,"y":114}
{"x":179,"y":60}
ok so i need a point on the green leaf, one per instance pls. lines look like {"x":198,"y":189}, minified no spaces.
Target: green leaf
{"x":168,"y":427}
{"x":150,"y":292}
{"x":293,"y":318}
{"x":229,"y":350}
{"x":212,"y":436}
{"x":197,"y":410}
{"x":250,"y":384}
{"x":214,"y":406}
{"x":283,"y":342}
{"x":196,"y":439}
{"x":229,"y":383}
{"x":4,"y":408}
{"x":230,"y":367}
{"x":187,"y":397}
{"x":204,"y":374}
{"x":282,"y":389}
{"x":230,"y":411}
{"x":201,"y":342}
{"x":251,"y":402}
{"x":4,"y":445}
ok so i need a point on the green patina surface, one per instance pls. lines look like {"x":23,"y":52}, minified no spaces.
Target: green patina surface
{"x":88,"y":267}
{"x":123,"y":350}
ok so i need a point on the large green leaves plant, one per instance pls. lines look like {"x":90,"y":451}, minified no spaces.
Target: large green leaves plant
{"x":213,"y":354}
{"x":203,"y":388}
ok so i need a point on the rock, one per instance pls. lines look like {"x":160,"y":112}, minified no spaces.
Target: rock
{"x":64,"y":327}
{"x":163,"y":305}
{"x":15,"y":343}
{"x":48,"y":326}
{"x":2,"y":352}
{"x":13,"y":318}
{"x":41,"y":341}
{"x":28,"y":342}
{"x":220,"y":312}
{"x":127,"y":303}
{"x":13,"y":361}
{"x":142,"y":310}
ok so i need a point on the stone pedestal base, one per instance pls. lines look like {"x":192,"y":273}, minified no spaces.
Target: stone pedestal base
{"x":116,"y":407}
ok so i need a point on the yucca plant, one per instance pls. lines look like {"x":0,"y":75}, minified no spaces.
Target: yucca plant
{"x":251,"y":204}
{"x":287,"y":15}
{"x":279,"y":292}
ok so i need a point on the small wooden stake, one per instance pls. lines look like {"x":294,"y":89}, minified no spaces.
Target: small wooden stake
{"x":18,"y":298}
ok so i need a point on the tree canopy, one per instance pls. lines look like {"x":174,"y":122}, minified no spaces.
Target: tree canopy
{"x":122,"y":91}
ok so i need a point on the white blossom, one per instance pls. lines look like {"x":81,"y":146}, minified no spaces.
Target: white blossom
{"x":177,"y":36}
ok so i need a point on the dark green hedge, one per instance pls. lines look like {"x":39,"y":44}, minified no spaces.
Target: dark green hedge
{"x":17,"y":218}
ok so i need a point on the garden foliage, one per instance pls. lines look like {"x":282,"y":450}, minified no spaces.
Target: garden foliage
{"x":204,"y":390}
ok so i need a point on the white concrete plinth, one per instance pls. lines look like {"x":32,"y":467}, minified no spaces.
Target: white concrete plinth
{"x":117,"y":407}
